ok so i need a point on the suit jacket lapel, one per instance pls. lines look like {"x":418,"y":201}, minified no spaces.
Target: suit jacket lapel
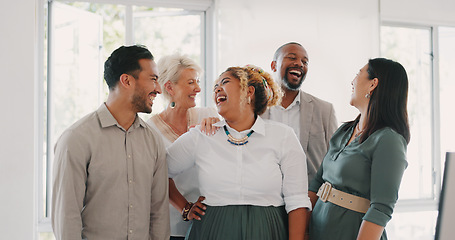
{"x":306,"y":114}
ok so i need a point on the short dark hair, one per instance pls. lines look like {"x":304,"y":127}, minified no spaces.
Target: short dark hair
{"x":124,"y":59}
{"x":388,"y":101}
{"x":278,"y":51}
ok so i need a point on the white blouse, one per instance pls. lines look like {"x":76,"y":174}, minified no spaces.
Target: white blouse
{"x":187,"y":181}
{"x":270,"y":170}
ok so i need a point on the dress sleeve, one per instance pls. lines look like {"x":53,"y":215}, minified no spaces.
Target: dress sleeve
{"x":317,"y":181}
{"x":387,"y":167}
{"x":181,"y":153}
{"x":294,"y":170}
{"x":70,"y":175}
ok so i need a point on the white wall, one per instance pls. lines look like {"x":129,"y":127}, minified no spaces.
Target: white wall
{"x":339,"y":36}
{"x":419,"y":11}
{"x":17,"y":97}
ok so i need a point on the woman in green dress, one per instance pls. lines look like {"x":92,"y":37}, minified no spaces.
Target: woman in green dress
{"x":356,"y":187}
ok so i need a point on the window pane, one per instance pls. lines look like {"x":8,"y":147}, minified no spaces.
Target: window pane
{"x":75,"y":76}
{"x":412,"y":48}
{"x":82,"y":37}
{"x":165,"y":31}
{"x":46,"y":236}
{"x":447,"y":85}
{"x":80,"y":32}
{"x":412,"y":225}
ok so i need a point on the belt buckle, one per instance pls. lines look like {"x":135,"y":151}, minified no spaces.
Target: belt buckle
{"x":324,"y":191}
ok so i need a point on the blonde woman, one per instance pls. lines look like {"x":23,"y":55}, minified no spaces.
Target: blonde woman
{"x":179,"y":80}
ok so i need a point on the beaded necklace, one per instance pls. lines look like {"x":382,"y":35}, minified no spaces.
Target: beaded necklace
{"x":235,"y":141}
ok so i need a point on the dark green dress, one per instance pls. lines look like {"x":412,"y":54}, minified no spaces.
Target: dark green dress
{"x":372,"y":170}
{"x":241,"y":222}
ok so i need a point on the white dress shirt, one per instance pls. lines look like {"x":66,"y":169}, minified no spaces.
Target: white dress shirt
{"x":289,"y":116}
{"x":187,"y":181}
{"x":270,"y":170}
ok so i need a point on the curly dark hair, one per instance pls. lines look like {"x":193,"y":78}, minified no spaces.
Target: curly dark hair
{"x":254,"y":76}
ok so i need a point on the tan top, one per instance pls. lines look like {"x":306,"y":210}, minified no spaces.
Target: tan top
{"x":187,"y":182}
{"x":194,"y":115}
{"x":110,"y":183}
{"x":166,"y":130}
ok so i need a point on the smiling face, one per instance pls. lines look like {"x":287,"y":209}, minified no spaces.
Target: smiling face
{"x":146,"y":86}
{"x":361,"y":85}
{"x":291,"y":66}
{"x":186,"y":88}
{"x":227,"y":96}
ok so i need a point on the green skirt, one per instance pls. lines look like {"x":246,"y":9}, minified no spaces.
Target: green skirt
{"x":241,"y":222}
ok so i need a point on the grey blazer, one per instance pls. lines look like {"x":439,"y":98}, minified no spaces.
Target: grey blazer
{"x":317,"y":124}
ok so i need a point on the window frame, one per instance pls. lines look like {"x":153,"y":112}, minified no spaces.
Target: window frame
{"x":208,"y":63}
{"x":427,"y":204}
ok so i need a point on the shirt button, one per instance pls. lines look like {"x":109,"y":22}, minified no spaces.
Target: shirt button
{"x":131,"y":231}
{"x":131,"y":205}
{"x":129,"y":156}
{"x":131,"y":181}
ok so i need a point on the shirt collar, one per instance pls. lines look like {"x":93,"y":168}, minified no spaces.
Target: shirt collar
{"x":258,"y":126}
{"x":107,"y":120}
{"x":296,"y":102}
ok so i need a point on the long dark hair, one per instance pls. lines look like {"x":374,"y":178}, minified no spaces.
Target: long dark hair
{"x":388,"y":101}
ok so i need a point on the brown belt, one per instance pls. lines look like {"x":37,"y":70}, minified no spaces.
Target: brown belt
{"x":352,"y":202}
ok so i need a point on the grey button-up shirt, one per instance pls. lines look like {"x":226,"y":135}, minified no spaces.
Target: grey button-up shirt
{"x":110,"y":183}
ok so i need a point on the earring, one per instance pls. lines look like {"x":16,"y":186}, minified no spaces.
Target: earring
{"x":249,"y":100}
{"x":172,"y":105}
{"x":368,"y":95}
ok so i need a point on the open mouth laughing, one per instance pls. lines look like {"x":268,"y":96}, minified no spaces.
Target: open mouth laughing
{"x":220,"y":99}
{"x":297,"y":73}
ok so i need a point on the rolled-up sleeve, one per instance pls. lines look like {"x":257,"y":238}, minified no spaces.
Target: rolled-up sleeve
{"x":388,"y":165}
{"x":294,"y":170}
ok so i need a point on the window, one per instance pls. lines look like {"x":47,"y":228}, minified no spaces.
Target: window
{"x":446,"y":87}
{"x":416,"y":58}
{"x":78,"y":38}
{"x":426,"y":52}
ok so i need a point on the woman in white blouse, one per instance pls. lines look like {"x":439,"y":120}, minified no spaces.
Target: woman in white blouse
{"x":179,"y":79}
{"x":252,"y":172}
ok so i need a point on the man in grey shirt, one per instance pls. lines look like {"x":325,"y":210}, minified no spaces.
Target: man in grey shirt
{"x":312,"y":119}
{"x":110,"y":173}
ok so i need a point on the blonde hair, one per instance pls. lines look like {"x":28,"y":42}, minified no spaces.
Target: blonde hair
{"x":170,"y":67}
{"x":261,"y":81}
